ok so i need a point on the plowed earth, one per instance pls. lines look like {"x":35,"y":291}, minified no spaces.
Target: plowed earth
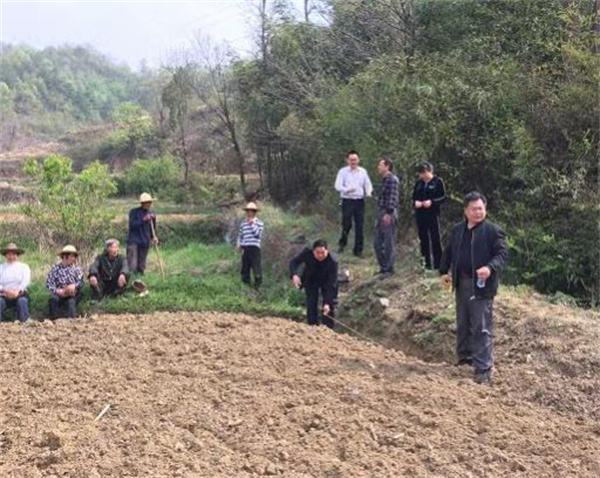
{"x":218,"y":395}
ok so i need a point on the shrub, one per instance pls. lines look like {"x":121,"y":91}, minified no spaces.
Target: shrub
{"x":70,"y":207}
{"x":159,"y":176}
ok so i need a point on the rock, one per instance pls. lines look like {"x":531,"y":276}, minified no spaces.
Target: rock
{"x":384,"y":302}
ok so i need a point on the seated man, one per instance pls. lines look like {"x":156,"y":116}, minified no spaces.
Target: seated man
{"x":15,"y":277}
{"x":318,"y":277}
{"x":65,"y":282}
{"x":109,"y":273}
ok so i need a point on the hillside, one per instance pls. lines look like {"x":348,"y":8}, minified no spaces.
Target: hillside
{"x":218,"y":395}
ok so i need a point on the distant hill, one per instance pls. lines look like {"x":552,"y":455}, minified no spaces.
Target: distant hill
{"x":45,"y":92}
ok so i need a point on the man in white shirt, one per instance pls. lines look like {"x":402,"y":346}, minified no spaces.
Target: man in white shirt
{"x":353,"y":184}
{"x":15,"y":277}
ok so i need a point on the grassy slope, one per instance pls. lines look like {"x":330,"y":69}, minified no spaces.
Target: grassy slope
{"x":202,"y":270}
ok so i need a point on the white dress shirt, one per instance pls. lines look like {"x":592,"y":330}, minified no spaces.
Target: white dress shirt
{"x":14,"y":276}
{"x":353,"y":183}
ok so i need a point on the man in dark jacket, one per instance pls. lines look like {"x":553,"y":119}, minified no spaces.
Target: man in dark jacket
{"x":142,"y":233}
{"x":388,"y":196}
{"x":319,"y":275}
{"x":428,"y":195}
{"x":473,"y":262}
{"x":109,"y":273}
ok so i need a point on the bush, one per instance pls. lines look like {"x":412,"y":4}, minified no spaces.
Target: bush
{"x":160,"y":176}
{"x":212,"y":189}
{"x":70,"y":207}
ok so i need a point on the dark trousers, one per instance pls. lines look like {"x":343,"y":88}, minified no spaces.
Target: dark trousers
{"x":474,"y":324}
{"x":67,"y":303}
{"x":385,"y":244}
{"x":312,"y":308}
{"x":353,"y":209}
{"x":107,"y":288}
{"x":429,"y":237}
{"x":20,"y":304}
{"x":137,"y":255}
{"x":252,"y":261}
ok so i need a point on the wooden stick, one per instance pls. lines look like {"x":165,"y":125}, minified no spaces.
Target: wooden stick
{"x":102,"y":413}
{"x":160,"y":262}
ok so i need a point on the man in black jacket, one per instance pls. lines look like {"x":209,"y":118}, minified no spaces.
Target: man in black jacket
{"x":472,"y":262}
{"x":319,"y":275}
{"x":428,"y":195}
{"x":109,"y":273}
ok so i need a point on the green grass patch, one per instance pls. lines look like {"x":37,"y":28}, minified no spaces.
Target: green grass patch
{"x":199,"y":277}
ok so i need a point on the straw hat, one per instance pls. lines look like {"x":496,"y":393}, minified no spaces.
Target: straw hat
{"x":12,"y":247}
{"x":251,"y":207}
{"x":145,"y":197}
{"x":69,"y":249}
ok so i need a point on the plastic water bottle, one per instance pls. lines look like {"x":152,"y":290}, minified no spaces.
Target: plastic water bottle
{"x":481,"y":283}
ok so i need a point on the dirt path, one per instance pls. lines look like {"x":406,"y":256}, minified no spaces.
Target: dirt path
{"x":213,"y":395}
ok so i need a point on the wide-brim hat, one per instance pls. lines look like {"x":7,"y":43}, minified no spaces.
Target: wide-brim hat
{"x":69,"y":249}
{"x":251,"y":207}
{"x":12,"y":247}
{"x":145,"y":197}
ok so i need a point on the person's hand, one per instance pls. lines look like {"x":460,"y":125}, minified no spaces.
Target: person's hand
{"x":149,"y":217}
{"x":296,"y":281}
{"x":427,"y":204}
{"x":418,"y":204}
{"x":121,"y":281}
{"x":446,"y":280}
{"x":326,"y":309}
{"x":60,"y":292}
{"x":70,"y":290}
{"x":155,"y":240}
{"x":387,"y":219}
{"x":94,"y":281}
{"x":483,"y":273}
{"x":11,"y":294}
{"x":350,"y":190}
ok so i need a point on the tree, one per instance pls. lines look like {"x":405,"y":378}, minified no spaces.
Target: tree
{"x":216,"y":89}
{"x":134,"y":126}
{"x":177,"y":97}
{"x":71,"y":208}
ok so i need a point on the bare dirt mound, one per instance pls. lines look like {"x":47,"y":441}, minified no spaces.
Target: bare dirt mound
{"x":214,"y":395}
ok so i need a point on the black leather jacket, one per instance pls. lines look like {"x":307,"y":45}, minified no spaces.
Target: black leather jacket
{"x":488,"y":248}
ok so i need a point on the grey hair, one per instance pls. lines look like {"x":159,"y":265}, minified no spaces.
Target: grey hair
{"x":110,"y":242}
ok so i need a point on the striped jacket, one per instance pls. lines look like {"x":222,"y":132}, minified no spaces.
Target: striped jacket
{"x":250,"y":233}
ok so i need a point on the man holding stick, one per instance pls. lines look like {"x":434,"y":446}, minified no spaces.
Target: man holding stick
{"x":142,"y":233}
{"x":318,"y":277}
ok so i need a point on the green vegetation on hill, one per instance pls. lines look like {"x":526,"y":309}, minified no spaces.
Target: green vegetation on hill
{"x":45,"y":92}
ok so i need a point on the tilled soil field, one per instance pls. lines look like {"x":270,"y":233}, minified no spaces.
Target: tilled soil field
{"x":217,"y":395}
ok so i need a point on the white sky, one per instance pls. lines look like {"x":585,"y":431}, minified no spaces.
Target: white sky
{"x":127,"y":30}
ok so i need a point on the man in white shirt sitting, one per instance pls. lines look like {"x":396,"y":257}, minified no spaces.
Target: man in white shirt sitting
{"x":354,"y":185}
{"x":15,"y":277}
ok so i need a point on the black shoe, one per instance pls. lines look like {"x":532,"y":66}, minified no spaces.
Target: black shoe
{"x":482,"y":377}
{"x":385,"y":275}
{"x":358,"y":254}
{"x":464,"y":361}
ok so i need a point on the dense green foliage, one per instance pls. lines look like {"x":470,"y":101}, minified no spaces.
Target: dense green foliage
{"x":44,"y":92}
{"x":502,"y":96}
{"x":70,"y":207}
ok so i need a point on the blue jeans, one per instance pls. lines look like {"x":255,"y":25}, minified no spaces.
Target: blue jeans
{"x":385,"y":244}
{"x":21,"y":306}
{"x":69,"y":303}
{"x":474,"y":323}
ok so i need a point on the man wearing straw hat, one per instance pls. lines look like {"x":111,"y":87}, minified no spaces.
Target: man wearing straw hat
{"x":109,"y":273}
{"x":249,"y":242}
{"x":15,"y":277}
{"x":65,"y":282}
{"x":142,"y":233}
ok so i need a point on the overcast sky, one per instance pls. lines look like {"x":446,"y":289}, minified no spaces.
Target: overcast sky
{"x":127,"y":30}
